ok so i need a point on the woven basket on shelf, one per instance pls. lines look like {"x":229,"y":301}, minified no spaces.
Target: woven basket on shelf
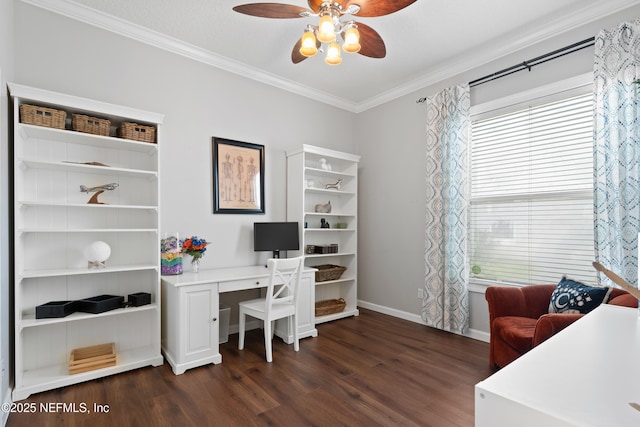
{"x":87,"y":124}
{"x":328,"y":272}
{"x":42,"y":116}
{"x":137,"y":132}
{"x":330,"y":306}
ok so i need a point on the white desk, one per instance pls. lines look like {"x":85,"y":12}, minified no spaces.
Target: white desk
{"x":586,"y":375}
{"x":190,"y":312}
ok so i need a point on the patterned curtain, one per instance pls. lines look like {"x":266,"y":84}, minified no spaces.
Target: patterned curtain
{"x":446,"y":304}
{"x":617,"y":149}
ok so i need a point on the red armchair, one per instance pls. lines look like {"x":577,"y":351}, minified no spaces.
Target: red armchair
{"x":519,"y":319}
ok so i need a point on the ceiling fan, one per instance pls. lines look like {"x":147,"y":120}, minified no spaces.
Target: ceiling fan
{"x":357,"y":37}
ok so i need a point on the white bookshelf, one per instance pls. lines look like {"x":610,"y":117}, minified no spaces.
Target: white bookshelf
{"x":53,"y":224}
{"x":306,"y":188}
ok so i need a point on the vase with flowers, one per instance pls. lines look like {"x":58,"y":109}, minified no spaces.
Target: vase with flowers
{"x":195,"y":247}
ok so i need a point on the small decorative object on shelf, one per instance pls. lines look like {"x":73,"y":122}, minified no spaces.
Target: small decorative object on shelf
{"x":170,"y":255}
{"x":98,"y":190}
{"x":97,"y":254}
{"x":138,"y":299}
{"x":324,"y":223}
{"x":323,"y":207}
{"x":335,"y":186}
{"x":195,"y":247}
{"x":326,"y":249}
{"x":324,"y":165}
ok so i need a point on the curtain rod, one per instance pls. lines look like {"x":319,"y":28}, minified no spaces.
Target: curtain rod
{"x":527,"y":65}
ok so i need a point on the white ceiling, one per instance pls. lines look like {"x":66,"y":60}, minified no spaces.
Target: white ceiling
{"x":426,"y":42}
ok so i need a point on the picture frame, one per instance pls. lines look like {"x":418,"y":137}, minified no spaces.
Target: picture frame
{"x":238,"y":177}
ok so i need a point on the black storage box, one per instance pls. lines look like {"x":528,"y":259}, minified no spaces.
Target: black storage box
{"x":100,"y":304}
{"x":139,"y":298}
{"x":55,"y":309}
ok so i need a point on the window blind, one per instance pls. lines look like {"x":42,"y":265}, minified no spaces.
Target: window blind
{"x":531,"y":215}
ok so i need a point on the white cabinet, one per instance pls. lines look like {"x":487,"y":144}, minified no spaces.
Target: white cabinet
{"x":190,"y":312}
{"x":190,"y":325}
{"x":310,"y":170}
{"x":53,"y":224}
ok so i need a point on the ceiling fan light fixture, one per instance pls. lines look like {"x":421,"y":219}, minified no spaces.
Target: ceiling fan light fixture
{"x":308,"y":43}
{"x":326,"y":29}
{"x":333,"y":54}
{"x":351,"y":39}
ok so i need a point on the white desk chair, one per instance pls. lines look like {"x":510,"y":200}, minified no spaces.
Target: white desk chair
{"x":280,"y":302}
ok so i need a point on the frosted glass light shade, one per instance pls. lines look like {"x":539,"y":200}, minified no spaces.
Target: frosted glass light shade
{"x":97,"y":253}
{"x":308,"y":44}
{"x":351,"y":40}
{"x":326,"y":29}
{"x":333,"y":54}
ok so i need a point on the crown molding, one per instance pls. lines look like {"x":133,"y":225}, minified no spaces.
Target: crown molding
{"x":95,"y":18}
{"x":496,"y":51}
{"x":430,"y":77}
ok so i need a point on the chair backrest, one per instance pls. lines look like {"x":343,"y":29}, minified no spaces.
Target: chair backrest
{"x":284,"y":281}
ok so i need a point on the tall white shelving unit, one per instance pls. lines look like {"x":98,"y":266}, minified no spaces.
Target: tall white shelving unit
{"x":309,"y":170}
{"x":52,"y":226}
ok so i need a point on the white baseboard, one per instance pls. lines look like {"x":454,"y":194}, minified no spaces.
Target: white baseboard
{"x":472,"y":333}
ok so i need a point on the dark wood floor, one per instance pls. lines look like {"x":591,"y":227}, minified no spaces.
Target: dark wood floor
{"x":361,"y":371}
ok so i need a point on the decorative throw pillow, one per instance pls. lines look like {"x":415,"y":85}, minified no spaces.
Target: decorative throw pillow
{"x":575,"y":297}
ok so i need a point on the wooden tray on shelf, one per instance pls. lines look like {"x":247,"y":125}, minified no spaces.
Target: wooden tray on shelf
{"x":89,"y":358}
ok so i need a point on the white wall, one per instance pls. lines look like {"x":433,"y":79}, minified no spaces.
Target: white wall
{"x":391,"y":141}
{"x":6,"y":73}
{"x":198,"y":102}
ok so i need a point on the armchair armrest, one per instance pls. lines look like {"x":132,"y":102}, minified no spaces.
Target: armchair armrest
{"x":550,"y":324}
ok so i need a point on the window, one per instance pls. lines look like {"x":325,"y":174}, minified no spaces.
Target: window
{"x":531,"y":215}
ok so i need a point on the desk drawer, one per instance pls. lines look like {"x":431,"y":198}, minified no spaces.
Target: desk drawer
{"x":240,"y":285}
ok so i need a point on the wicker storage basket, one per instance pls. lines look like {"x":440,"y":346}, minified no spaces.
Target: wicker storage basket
{"x":330,"y":306}
{"x":87,"y":124}
{"x":42,"y":116}
{"x":137,"y":132}
{"x":328,"y":272}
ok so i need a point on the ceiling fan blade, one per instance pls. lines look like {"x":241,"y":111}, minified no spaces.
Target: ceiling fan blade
{"x":371,"y":8}
{"x":271,"y":10}
{"x":371,"y":44}
{"x":315,"y":5}
{"x":296,"y":56}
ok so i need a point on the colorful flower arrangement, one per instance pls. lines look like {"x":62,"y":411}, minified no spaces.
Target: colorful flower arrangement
{"x":195,"y":247}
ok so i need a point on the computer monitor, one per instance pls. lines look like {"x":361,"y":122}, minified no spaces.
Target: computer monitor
{"x":276,"y":237}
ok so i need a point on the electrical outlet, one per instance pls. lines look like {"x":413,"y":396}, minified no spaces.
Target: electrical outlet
{"x":420,"y":293}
